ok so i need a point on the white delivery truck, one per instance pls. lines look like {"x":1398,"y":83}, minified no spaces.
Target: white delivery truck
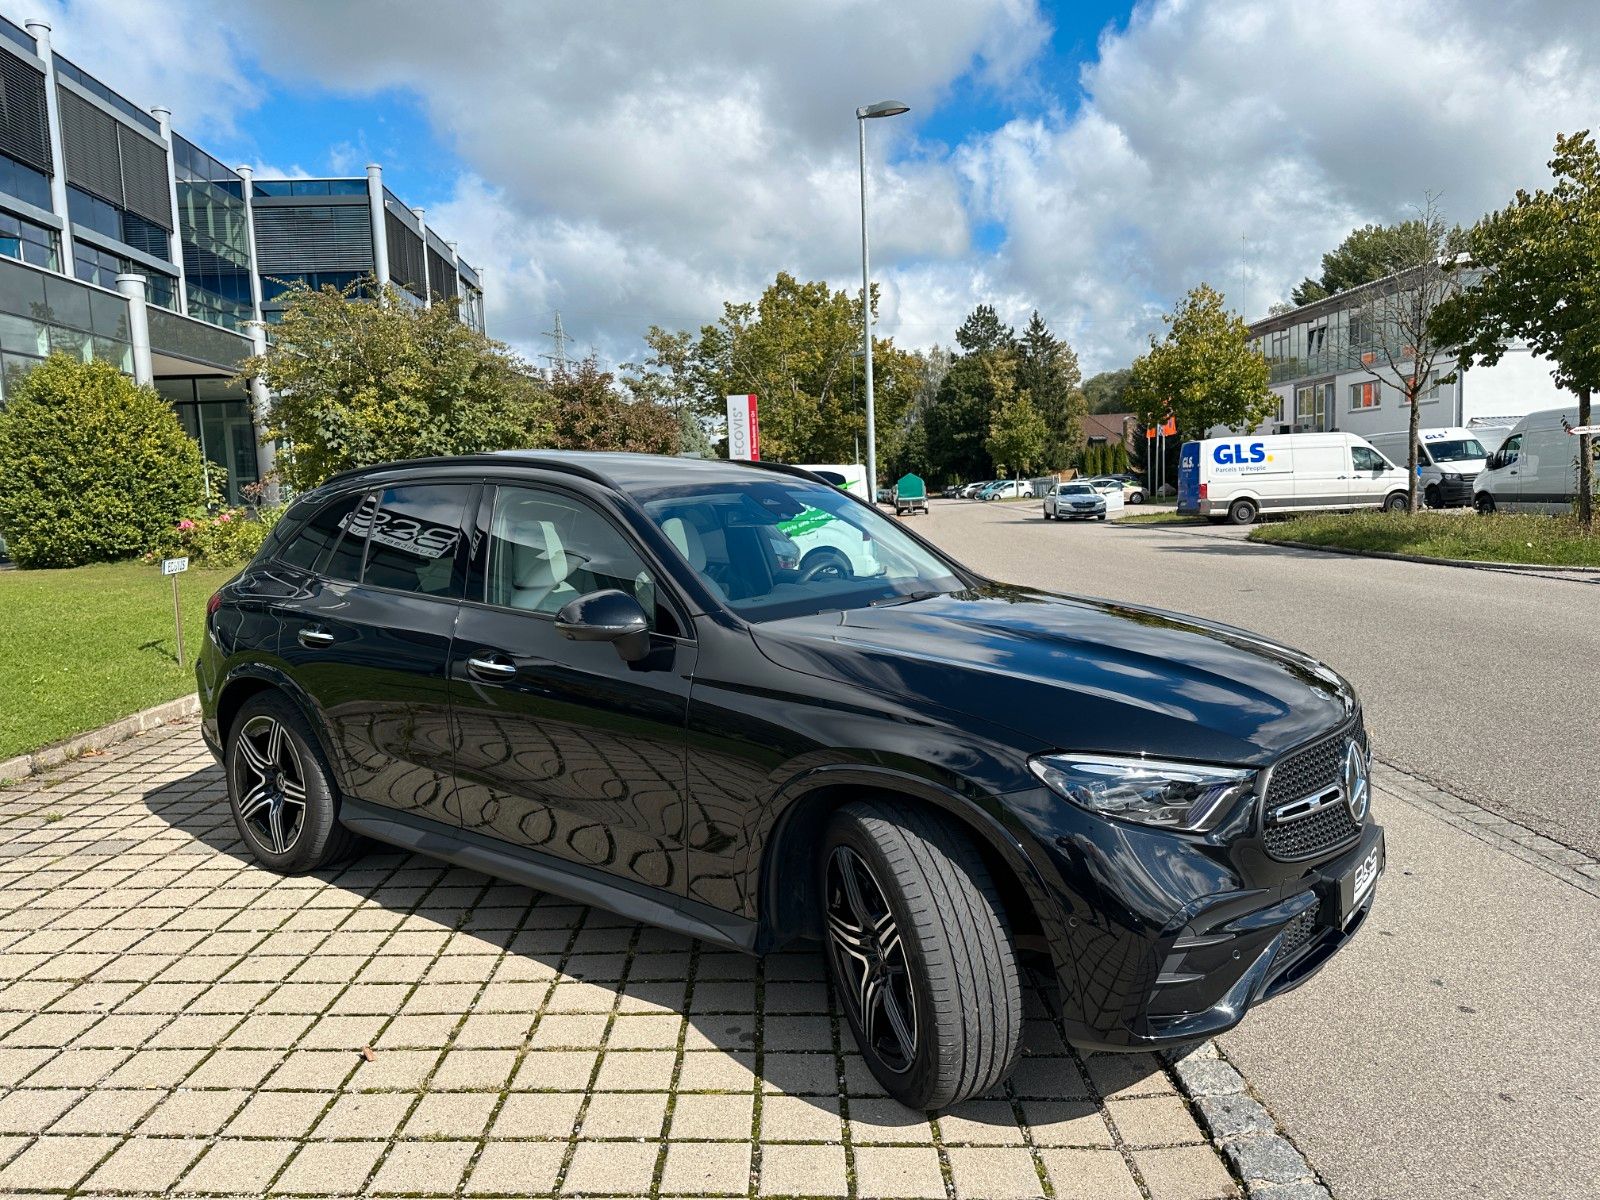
{"x":1448,"y":460}
{"x":1536,"y":467}
{"x":1238,"y":478}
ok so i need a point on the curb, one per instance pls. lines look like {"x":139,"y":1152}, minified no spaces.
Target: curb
{"x":1470,"y":563}
{"x":98,"y":739}
{"x":1242,"y":1130}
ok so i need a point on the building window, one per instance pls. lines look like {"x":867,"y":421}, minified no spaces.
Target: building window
{"x":1429,"y":393}
{"x":1365,"y":395}
{"x":22,"y":181}
{"x":29,"y":242}
{"x":102,"y":267}
{"x":1312,"y":403}
{"x":216,"y":413}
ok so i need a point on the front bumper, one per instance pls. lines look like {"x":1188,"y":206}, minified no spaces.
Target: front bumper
{"x":1181,"y":949}
{"x":1455,"y":492}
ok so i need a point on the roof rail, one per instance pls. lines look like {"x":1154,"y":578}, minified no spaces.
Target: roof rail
{"x":554,"y":460}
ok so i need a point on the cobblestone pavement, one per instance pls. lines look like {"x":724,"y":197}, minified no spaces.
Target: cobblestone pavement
{"x":175,"y":1020}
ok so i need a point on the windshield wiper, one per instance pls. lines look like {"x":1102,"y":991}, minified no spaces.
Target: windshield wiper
{"x":905,"y":599}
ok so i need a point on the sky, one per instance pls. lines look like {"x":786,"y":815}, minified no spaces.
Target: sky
{"x":630,"y":164}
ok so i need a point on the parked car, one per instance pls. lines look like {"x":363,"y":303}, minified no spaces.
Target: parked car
{"x":1448,"y":460}
{"x":1132,"y":492}
{"x":1074,"y":501}
{"x":1536,"y":467}
{"x":1008,"y":489}
{"x":852,"y":477}
{"x":970,"y":492}
{"x":952,"y":491}
{"x":1236,"y":479}
{"x":590,"y":674}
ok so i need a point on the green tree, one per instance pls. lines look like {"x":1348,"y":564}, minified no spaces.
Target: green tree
{"x":1018,"y":434}
{"x":670,"y":377}
{"x":1535,"y":280}
{"x":1047,"y":371}
{"x":797,"y":349}
{"x":356,"y":382}
{"x":1203,"y":371}
{"x":1104,"y":392}
{"x":92,"y":467}
{"x":1369,"y":254}
{"x":959,"y":418}
{"x":591,"y":412}
{"x":983,"y":332}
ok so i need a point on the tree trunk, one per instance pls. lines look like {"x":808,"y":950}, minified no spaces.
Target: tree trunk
{"x":1411,"y":450}
{"x":1585,"y":465}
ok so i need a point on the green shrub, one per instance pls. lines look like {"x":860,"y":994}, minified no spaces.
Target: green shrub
{"x":92,"y":466}
{"x":228,"y":538}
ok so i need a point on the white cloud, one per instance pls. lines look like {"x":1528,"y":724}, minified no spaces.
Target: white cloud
{"x":634,"y":164}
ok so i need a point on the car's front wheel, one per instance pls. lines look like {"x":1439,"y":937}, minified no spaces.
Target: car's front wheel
{"x":280,"y":790}
{"x":919,"y":953}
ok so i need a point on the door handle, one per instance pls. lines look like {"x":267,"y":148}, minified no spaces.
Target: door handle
{"x":315,"y":637}
{"x":491,"y":666}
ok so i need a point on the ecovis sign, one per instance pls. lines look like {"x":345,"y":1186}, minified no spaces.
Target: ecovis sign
{"x":744,"y":431}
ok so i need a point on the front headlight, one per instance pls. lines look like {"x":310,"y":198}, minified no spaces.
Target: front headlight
{"x":1169,"y":795}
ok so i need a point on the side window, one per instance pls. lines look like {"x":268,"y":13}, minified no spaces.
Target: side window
{"x":344,"y":561}
{"x":1511,"y":451}
{"x":317,"y":536}
{"x":415,"y":532}
{"x":546,"y":549}
{"x":1365,"y":460}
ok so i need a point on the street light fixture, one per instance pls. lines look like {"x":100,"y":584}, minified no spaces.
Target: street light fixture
{"x":883,"y":108}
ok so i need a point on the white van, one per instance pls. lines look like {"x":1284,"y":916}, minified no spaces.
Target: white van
{"x":1448,"y":460}
{"x":1536,"y":467}
{"x":1238,"y":478}
{"x":852,"y":477}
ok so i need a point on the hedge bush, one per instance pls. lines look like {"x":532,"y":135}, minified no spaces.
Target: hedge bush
{"x":93,"y":467}
{"x":229,"y":538}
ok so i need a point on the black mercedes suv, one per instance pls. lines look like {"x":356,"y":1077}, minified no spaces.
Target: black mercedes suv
{"x":734,"y":701}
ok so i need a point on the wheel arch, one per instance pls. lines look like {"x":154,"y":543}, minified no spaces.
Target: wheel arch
{"x":252,"y":680}
{"x":788,"y":875}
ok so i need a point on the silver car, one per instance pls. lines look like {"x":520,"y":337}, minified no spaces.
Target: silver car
{"x":1074,"y":501}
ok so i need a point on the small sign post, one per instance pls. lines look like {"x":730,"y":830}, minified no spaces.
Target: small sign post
{"x":174,"y":567}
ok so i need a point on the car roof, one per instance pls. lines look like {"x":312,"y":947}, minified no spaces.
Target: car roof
{"x":623,"y":471}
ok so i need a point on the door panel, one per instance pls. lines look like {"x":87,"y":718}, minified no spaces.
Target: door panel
{"x":374,"y":656}
{"x":1509,"y":476}
{"x":561,"y":746}
{"x":1370,"y":479}
{"x":1321,"y":476}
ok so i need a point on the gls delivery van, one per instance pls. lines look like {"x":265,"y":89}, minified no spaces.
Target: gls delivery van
{"x":1448,"y":460}
{"x":1536,"y":467}
{"x":1238,"y":478}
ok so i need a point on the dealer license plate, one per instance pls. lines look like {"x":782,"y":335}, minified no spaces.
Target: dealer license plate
{"x":1357,"y":884}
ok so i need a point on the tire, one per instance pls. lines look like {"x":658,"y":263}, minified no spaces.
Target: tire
{"x":1048,"y":516}
{"x":269,"y":745}
{"x":1396,"y":502}
{"x":1484,"y":503}
{"x":1242,"y":512}
{"x":1432,"y":497}
{"x":1100,"y":516}
{"x":946,"y":975}
{"x":1136,"y":498}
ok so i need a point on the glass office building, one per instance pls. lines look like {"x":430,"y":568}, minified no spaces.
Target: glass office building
{"x":103,"y":208}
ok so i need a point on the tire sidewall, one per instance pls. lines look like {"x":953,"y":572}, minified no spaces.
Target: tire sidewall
{"x":321,"y":818}
{"x":1243,"y":512}
{"x":922,"y":1077}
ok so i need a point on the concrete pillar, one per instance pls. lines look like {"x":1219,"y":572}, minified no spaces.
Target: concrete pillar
{"x":163,"y":116}
{"x":260,"y":398}
{"x":422,"y":225}
{"x":380,"y":233}
{"x":58,"y":177}
{"x":133,"y":287}
{"x":247,"y":177}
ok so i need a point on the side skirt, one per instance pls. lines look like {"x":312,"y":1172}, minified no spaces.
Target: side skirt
{"x":545,"y":873}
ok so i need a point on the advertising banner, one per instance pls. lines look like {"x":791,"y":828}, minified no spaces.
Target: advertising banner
{"x":744,"y":432}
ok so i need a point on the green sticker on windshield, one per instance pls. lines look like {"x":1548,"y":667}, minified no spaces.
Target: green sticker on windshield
{"x":808,"y":520}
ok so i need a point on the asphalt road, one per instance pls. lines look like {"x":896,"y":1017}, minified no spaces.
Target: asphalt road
{"x":1451,"y":1051}
{"x":1485,"y":683}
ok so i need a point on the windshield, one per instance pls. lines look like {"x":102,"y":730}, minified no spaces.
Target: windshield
{"x":779,"y":547}
{"x":1075,"y":489}
{"x":1457,"y":450}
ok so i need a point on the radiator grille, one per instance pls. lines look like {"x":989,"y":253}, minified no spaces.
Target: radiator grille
{"x":1314,"y":770}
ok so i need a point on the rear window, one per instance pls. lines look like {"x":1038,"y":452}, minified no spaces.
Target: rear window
{"x":310,"y":544}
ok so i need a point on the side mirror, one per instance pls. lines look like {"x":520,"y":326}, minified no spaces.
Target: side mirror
{"x":1383,"y":465}
{"x":607,"y":616}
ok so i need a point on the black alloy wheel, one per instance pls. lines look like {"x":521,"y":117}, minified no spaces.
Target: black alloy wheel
{"x":869,"y":957}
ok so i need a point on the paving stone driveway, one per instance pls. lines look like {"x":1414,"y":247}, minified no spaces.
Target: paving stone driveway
{"x":175,"y":1020}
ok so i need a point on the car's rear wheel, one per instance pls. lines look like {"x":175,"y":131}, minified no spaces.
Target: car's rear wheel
{"x":1242,"y":512}
{"x":919,"y":953}
{"x":280,"y":790}
{"x":1136,"y":498}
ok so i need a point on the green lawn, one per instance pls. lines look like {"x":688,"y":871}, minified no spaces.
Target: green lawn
{"x":1502,"y":537}
{"x":83,"y":647}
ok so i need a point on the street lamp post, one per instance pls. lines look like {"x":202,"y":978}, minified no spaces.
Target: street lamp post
{"x":883,"y":108}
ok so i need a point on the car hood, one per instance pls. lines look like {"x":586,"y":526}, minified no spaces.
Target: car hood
{"x":1067,"y":673}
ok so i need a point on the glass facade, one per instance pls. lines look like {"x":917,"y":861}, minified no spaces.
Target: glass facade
{"x":216,"y":413}
{"x":118,"y":224}
{"x":102,"y":267}
{"x":42,"y":314}
{"x":213,"y":227}
{"x":310,"y":187}
{"x":30,"y":242}
{"x":24,"y":182}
